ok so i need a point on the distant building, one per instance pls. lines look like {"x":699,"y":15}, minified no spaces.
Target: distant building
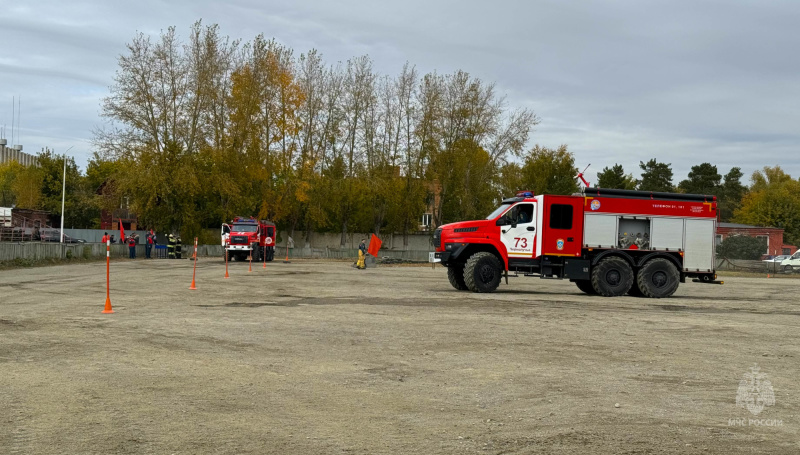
{"x":15,"y":153}
{"x":773,"y":236}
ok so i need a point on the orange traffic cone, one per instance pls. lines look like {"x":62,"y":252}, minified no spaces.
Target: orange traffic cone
{"x":108,"y":306}
{"x":195,"y":264}
{"x":226,"y":264}
{"x":108,"y":279}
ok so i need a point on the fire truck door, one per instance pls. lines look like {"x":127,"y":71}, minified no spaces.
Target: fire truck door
{"x":518,"y":231}
{"x":562,"y":226}
{"x":225,"y":233}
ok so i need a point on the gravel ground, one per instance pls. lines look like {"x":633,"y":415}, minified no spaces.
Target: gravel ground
{"x":315,"y":357}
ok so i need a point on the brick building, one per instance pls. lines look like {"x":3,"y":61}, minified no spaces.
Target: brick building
{"x":774,"y":236}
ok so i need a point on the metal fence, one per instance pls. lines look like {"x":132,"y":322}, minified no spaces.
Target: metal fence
{"x":741,"y":265}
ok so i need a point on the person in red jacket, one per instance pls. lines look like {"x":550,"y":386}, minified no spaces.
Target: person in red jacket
{"x":106,"y":238}
{"x":132,"y":246}
{"x":148,"y":247}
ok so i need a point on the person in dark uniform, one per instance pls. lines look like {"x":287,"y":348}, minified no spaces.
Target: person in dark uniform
{"x":171,"y":247}
{"x":178,"y":247}
{"x":132,"y":246}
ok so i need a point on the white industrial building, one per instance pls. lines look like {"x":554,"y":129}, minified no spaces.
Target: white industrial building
{"x":15,"y":153}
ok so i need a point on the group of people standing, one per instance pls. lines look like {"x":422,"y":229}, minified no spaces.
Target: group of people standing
{"x":173,"y":247}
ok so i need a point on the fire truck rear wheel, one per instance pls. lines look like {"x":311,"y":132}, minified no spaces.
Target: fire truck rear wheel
{"x":658,"y":278}
{"x":612,"y":277}
{"x":482,"y":272}
{"x":270,"y":253}
{"x":455,"y":273}
{"x":585,"y":286}
{"x":634,"y":291}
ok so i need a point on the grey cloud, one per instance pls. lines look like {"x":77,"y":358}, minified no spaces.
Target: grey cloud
{"x":618,"y":82}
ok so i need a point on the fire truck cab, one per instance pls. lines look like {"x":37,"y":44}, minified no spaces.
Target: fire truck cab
{"x":608,"y":242}
{"x":246,"y":236}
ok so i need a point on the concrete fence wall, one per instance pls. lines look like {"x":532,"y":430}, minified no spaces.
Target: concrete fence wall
{"x":37,"y":251}
{"x":317,"y":240}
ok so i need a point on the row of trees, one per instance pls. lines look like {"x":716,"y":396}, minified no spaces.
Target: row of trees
{"x":209,"y":128}
{"x":773,"y":198}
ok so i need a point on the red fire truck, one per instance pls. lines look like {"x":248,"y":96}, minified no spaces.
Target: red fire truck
{"x":244,"y":236}
{"x":608,"y":242}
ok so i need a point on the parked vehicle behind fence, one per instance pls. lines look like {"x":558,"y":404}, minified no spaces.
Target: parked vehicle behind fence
{"x":52,"y":235}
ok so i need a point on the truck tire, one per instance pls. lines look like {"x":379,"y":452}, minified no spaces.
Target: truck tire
{"x":612,"y":277}
{"x":455,"y":273}
{"x":585,"y":286}
{"x":788,"y":269}
{"x":482,"y":272}
{"x":270,"y":253}
{"x":658,"y":278}
{"x":634,"y":291}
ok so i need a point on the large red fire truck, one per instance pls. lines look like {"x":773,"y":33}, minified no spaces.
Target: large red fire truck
{"x":608,"y":242}
{"x":245,"y":236}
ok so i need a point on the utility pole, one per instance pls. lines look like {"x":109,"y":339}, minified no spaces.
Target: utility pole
{"x":63,"y":193}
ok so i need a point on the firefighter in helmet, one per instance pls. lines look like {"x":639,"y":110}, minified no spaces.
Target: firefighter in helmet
{"x":178,"y":246}
{"x":171,"y":247}
{"x":362,"y":255}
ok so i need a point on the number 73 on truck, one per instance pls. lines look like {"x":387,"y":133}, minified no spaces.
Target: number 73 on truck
{"x":608,"y":242}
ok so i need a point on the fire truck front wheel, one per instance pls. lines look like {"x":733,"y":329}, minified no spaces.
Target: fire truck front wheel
{"x":482,"y":272}
{"x":455,"y":273}
{"x":612,"y":277}
{"x":658,"y":278}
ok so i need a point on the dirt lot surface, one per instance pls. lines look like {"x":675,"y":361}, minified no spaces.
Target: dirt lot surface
{"x":320,"y":358}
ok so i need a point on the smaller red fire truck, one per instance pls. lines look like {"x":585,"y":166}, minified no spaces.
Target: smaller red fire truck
{"x":608,"y":242}
{"x":245,"y":236}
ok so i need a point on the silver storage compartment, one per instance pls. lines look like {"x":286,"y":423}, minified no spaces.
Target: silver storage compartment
{"x":667,"y":234}
{"x":699,"y":255}
{"x":600,"y":231}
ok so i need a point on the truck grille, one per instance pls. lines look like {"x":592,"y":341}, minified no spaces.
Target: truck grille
{"x":437,"y":238}
{"x":239,"y":240}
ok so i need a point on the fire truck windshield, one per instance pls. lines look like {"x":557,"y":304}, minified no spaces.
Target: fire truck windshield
{"x":498,"y":211}
{"x":245,"y":228}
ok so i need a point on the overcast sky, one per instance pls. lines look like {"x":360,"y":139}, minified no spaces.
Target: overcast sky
{"x":684,"y":82}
